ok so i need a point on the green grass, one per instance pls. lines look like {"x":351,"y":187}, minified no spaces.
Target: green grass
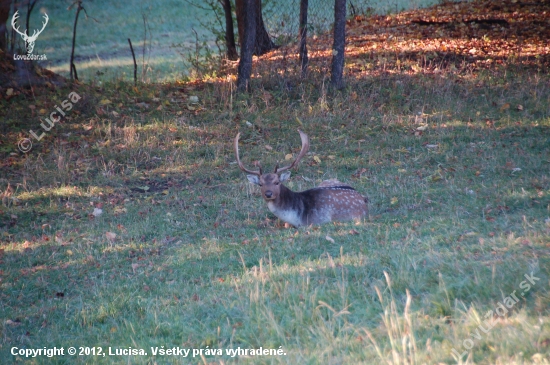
{"x":199,"y":262}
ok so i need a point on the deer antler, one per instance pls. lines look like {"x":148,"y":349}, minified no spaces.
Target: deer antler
{"x":14,"y":26}
{"x":36,"y":33}
{"x":305,"y":147}
{"x":241,"y":166}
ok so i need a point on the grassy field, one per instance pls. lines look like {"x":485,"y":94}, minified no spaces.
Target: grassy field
{"x":129,"y":225}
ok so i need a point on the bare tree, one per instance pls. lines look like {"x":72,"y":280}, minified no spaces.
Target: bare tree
{"x":263,"y":42}
{"x":231,"y":49}
{"x":79,"y":8}
{"x":30,"y":7}
{"x":248,"y":40}
{"x":337,"y":68}
{"x":303,"y":36}
{"x":5,"y":6}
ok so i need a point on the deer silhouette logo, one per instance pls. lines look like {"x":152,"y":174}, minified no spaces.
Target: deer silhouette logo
{"x":29,"y":40}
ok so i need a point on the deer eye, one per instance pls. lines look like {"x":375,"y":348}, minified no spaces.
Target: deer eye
{"x":277,"y":183}
{"x":260,"y":184}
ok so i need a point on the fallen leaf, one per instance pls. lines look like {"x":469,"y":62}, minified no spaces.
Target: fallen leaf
{"x":142,"y":105}
{"x":288,"y":157}
{"x":97,"y":212}
{"x":402,"y":150}
{"x":120,"y":210}
{"x":110,"y":236}
{"x":505,"y":107}
{"x":330,"y":239}
{"x":317,"y":159}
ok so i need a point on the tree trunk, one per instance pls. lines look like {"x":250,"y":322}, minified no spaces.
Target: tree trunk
{"x":74,"y":75}
{"x":239,"y":9}
{"x":229,"y":31}
{"x":248,"y":40}
{"x":5,"y":6}
{"x":303,"y":36}
{"x":30,"y":7}
{"x":338,"y":47}
{"x":263,"y":42}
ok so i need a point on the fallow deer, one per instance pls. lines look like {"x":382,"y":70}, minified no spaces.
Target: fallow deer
{"x":330,"y":201}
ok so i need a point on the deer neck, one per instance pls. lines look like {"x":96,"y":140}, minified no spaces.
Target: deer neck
{"x":288,"y":206}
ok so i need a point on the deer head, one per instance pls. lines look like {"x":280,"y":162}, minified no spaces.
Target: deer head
{"x":270,"y":184}
{"x":29,"y":40}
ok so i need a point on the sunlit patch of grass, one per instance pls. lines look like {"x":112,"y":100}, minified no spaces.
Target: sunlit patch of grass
{"x":62,"y":191}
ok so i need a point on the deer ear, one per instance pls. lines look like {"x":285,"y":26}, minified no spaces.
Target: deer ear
{"x":253,"y":179}
{"x":284,"y":176}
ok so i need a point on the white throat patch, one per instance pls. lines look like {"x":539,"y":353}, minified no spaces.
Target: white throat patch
{"x":287,"y":216}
